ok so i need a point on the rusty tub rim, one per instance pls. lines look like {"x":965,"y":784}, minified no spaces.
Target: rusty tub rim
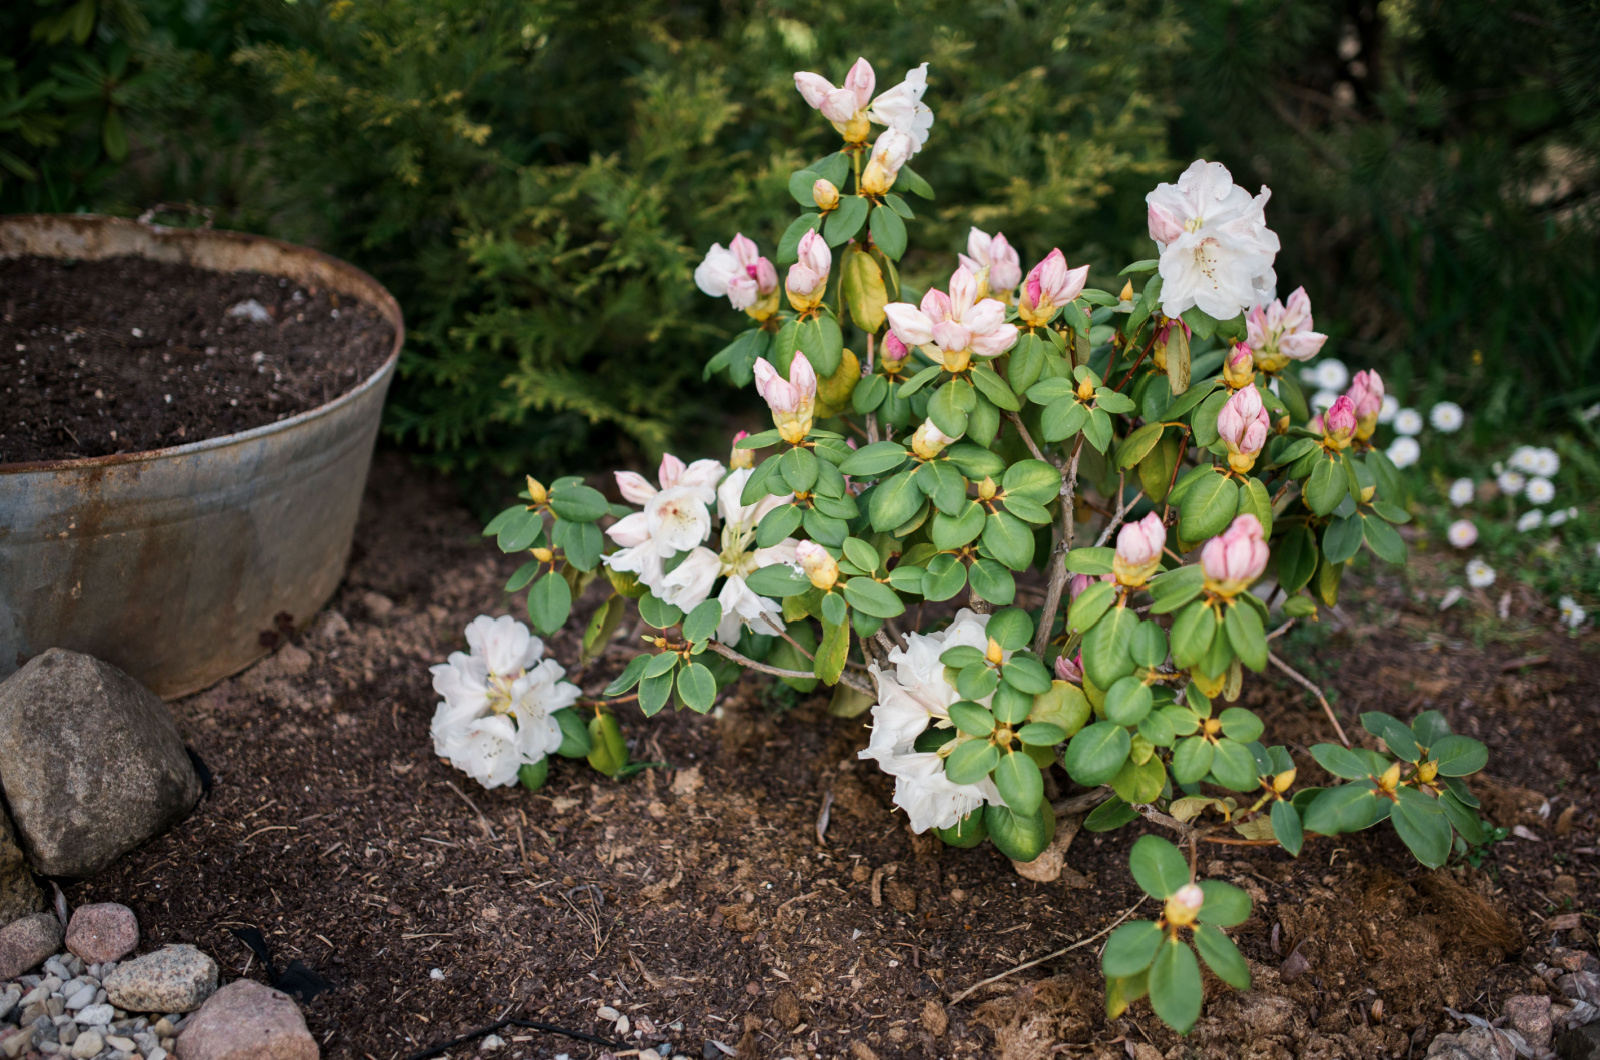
{"x":370,"y":291}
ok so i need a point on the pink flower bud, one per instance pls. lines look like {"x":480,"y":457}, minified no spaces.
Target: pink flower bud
{"x":741,"y":458}
{"x":1164,"y":228}
{"x":1236,"y":557}
{"x":893,"y":348}
{"x":1240,"y":368}
{"x":1139,"y":548}
{"x":1051,"y":285}
{"x":808,"y":277}
{"x":824,"y":194}
{"x":928,"y":441}
{"x":1243,"y":425}
{"x":791,"y":400}
{"x":995,"y":252}
{"x":1339,"y":423}
{"x":765,"y":275}
{"x":1080,"y":582}
{"x":1183,"y":907}
{"x":1070,"y":669}
{"x":1366,"y":393}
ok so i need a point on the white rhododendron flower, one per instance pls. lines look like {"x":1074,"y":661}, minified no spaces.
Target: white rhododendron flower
{"x":1530,"y":520}
{"x":1510,"y":482}
{"x":1216,"y":248}
{"x":1408,"y":422}
{"x":1479,"y":574}
{"x":1540,"y":491}
{"x":691,"y":583}
{"x":675,"y":517}
{"x":1572,"y":614}
{"x":901,"y":108}
{"x":1403,"y":452}
{"x":1461,"y":491}
{"x":1463,"y":533}
{"x":912,"y":695}
{"x":496,"y":715}
{"x":851,"y":106}
{"x":1446,"y":416}
{"x":1389,"y":409}
{"x":739,"y":272}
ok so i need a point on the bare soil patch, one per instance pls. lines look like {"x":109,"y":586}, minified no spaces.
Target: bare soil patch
{"x":701,"y":894}
{"x":126,"y":354}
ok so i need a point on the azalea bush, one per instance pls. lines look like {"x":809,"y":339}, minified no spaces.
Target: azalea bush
{"x":907,"y":534}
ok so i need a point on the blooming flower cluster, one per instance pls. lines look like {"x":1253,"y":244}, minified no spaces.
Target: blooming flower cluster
{"x":500,"y":700}
{"x":1217,"y":254}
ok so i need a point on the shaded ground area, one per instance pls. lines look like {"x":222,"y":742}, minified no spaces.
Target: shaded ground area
{"x":700,"y":894}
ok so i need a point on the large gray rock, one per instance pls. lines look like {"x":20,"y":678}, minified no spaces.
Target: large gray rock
{"x":19,"y":893}
{"x":90,"y":761}
{"x":175,"y":978}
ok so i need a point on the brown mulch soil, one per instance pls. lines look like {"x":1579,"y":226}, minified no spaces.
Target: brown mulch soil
{"x":701,"y":894}
{"x":125,"y":354}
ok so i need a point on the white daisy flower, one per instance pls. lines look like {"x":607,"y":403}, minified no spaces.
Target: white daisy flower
{"x":1404,"y":452}
{"x":1540,"y":491}
{"x":1530,"y":520}
{"x":1324,"y":399}
{"x":1331,"y":374}
{"x":1446,"y":416}
{"x":1479,"y":574}
{"x":1461,"y":491}
{"x":1521,"y":458}
{"x":1463,"y":533}
{"x":1408,"y":422}
{"x":1391,"y":405}
{"x":1510,"y":482}
{"x":1544,"y":461}
{"x":1572,"y":615}
{"x":1557,"y":517}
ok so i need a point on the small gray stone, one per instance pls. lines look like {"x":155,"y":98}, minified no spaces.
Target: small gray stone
{"x":67,"y":1033}
{"x":82,"y":997}
{"x":14,"y":1043}
{"x":88,"y":1044}
{"x":1529,"y":1015}
{"x":90,"y":761}
{"x":26,"y":942}
{"x":95,"y":1015}
{"x":1474,"y":1043}
{"x":172,"y":979}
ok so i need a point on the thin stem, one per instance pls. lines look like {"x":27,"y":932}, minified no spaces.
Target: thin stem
{"x":866,"y":373}
{"x":1177,"y":466}
{"x":750,"y":664}
{"x":1016,"y":421}
{"x":1122,"y":510}
{"x":1049,"y":956}
{"x":1314,"y":690}
{"x":1058,"y":566}
{"x":1137,"y":363}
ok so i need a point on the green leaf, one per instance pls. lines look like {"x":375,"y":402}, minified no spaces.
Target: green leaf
{"x":861,"y":554}
{"x":1096,"y":754}
{"x":779,"y":523}
{"x":889,"y":232}
{"x":520,"y":530}
{"x":894,"y":500}
{"x":1346,"y":808}
{"x":1158,"y":867}
{"x":1010,"y":628}
{"x":1137,"y":445}
{"x":869,"y":394}
{"x":1109,"y":815}
{"x":1020,"y":836}
{"x":607,"y":617}
{"x":799,"y":467}
{"x":1384,"y":540}
{"x":1297,"y":559}
{"x":1026,"y":674}
{"x":1131,"y":948}
{"x":1222,"y":956}
{"x":524,"y":574}
{"x":1128,"y":700}
{"x":948,"y":410}
{"x":1090,"y":606}
{"x":1139,"y":782}
{"x":696,"y":686}
{"x":1327,"y":486}
{"x":1208,"y":507}
{"x":549,"y":603}
{"x":1090,"y":560}
{"x":1234,"y":767}
{"x":1009,"y":540}
{"x":971,"y":718}
{"x":1458,"y":756}
{"x":1253,"y":498}
{"x":1106,"y":655}
{"x":1041,"y":734}
{"x":532,"y":775}
{"x":953,"y":531}
{"x":921,"y":379}
{"x":908,"y":181}
{"x":1026,"y":362}
{"x":971,"y":762}
{"x":1396,"y":734}
{"x":1175,"y":986}
{"x":994,"y":388}
{"x":845,"y":220}
{"x":1020,"y":782}
{"x":873,"y":598}
{"x":1191,"y":760}
{"x":654,"y":692}
{"x":1463,"y":819}
{"x":1034,"y":479}
{"x":946,"y":576}
{"x":974,"y":461}
{"x":629,"y":676}
{"x":1430,"y":727}
{"x":581,"y":504}
{"x":608,"y":753}
{"x":1204,"y":420}
{"x":943,"y":485}
{"x":832,"y":654}
{"x":1192,"y":633}
{"x":1340,"y":761}
{"x":1286,"y":827}
{"x":702,"y":621}
{"x":575,"y":742}
{"x":1241,"y":725}
{"x":1149,"y":646}
{"x":1248,"y":637}
{"x":776,"y":580}
{"x":659,"y":613}
{"x":1342,"y":538}
{"x":1062,"y":419}
{"x":1422,"y":826}
{"x":874,"y":460}
{"x":899,"y":206}
{"x":992,"y":582}
{"x":801,"y":183}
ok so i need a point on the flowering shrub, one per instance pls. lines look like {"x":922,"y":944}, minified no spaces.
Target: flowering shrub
{"x":954,"y":454}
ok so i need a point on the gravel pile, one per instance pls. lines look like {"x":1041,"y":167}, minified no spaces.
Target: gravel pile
{"x":65,"y":1012}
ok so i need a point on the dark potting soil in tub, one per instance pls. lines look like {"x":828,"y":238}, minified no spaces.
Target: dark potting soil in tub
{"x":125,"y":355}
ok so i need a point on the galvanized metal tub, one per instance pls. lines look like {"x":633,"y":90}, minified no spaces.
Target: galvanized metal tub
{"x":173,"y":563}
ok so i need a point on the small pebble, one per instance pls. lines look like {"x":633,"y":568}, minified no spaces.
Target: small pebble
{"x":491,"y":1043}
{"x":97,"y":1014}
{"x":164,"y":1028}
{"x":607,"y":1013}
{"x":437,"y":973}
{"x":157,"y":1053}
{"x":116,"y":1041}
{"x":88,"y":1044}
{"x":622,"y":1025}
